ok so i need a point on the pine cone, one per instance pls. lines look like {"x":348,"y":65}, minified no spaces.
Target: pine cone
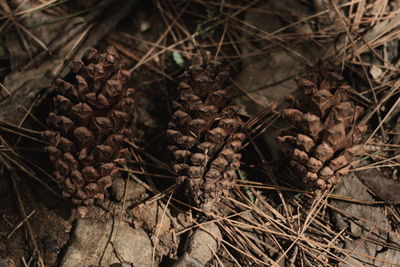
{"x":88,"y":126}
{"x":205,"y":132}
{"x":325,"y":139}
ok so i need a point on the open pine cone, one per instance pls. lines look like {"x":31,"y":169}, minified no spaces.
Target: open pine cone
{"x":205,"y":132}
{"x":88,"y":126}
{"x":325,"y":139}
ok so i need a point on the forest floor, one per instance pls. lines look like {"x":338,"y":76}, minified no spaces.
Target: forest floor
{"x":270,"y":218}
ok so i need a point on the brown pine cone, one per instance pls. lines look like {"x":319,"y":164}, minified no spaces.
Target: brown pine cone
{"x":205,"y":132}
{"x":325,"y":139}
{"x":89,"y":125}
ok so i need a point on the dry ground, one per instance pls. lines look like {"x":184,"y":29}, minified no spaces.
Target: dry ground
{"x":270,"y":219}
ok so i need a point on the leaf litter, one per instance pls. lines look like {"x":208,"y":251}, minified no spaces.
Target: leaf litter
{"x":266,"y":45}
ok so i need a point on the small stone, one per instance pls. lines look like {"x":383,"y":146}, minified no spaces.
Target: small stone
{"x":91,"y":237}
{"x":204,"y":242}
{"x":134,"y":191}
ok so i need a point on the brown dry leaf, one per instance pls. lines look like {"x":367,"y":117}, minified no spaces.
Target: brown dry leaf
{"x":366,"y":247}
{"x":384,"y":188}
